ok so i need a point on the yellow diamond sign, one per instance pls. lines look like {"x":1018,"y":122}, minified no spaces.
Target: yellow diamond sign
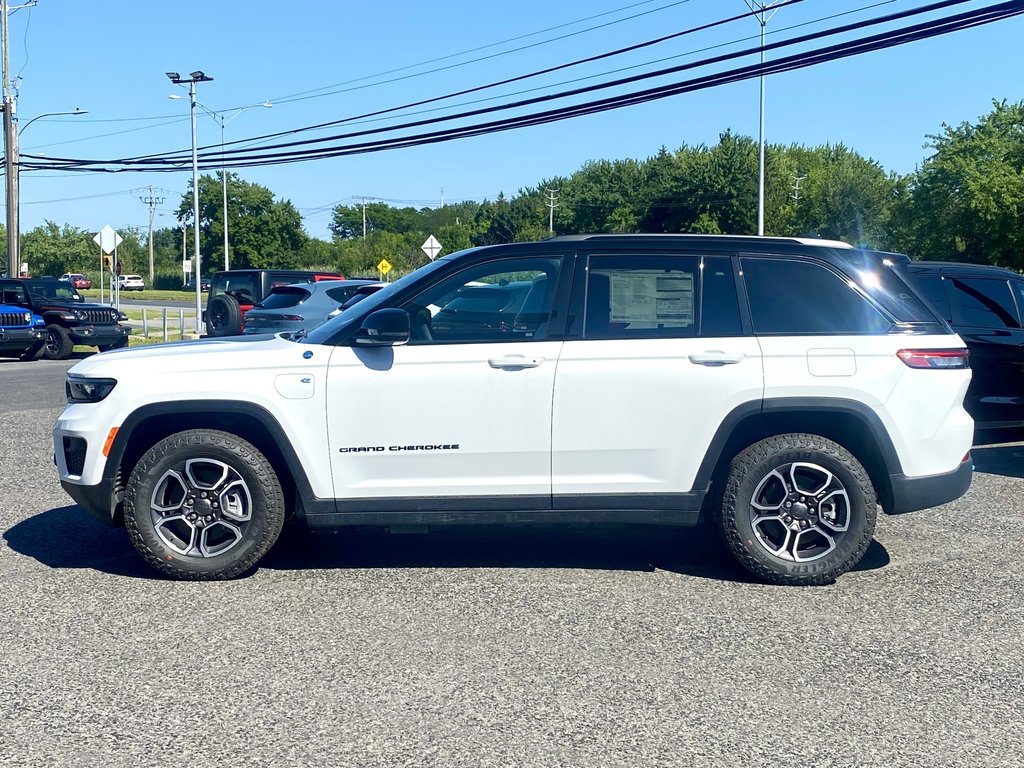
{"x":384,"y":266}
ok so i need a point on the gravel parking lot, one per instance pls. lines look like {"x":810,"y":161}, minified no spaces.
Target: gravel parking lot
{"x":596,"y":647}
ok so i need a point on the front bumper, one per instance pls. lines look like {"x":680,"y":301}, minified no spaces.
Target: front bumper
{"x":98,"y":500}
{"x":910,"y":494}
{"x":18,"y":340}
{"x":95,"y":335}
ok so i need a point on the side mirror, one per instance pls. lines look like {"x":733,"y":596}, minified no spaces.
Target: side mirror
{"x":384,"y":328}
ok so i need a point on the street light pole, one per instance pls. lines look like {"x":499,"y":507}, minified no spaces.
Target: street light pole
{"x":194,"y":77}
{"x":12,"y":153}
{"x":223,"y":119}
{"x":224,"y":169}
{"x":760,"y":8}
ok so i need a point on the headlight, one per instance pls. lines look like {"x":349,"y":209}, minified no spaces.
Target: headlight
{"x":82,"y":390}
{"x":28,"y":318}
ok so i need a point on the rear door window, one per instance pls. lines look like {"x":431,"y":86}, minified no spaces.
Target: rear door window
{"x":982,"y":303}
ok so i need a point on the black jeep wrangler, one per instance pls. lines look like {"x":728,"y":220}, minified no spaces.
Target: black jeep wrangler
{"x":236,"y":291}
{"x":69,"y":320}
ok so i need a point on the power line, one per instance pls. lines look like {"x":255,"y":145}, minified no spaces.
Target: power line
{"x":871,"y":43}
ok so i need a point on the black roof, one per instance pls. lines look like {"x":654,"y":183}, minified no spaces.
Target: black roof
{"x":960,"y":268}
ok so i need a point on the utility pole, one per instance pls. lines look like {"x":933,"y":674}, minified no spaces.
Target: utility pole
{"x":152,"y":202}
{"x":10,"y":156}
{"x":364,"y":218}
{"x":551,"y":204}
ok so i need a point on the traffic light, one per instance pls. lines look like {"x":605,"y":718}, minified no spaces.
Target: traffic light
{"x":106,"y":262}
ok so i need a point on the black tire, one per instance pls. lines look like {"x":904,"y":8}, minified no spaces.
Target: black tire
{"x":34,"y":353}
{"x":815,"y":512}
{"x":58,"y":343}
{"x":183,"y":530}
{"x":223,"y":316}
{"x":119,"y":344}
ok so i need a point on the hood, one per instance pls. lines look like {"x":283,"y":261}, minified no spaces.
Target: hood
{"x":230,"y":355}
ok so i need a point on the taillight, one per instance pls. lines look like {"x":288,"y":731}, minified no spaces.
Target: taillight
{"x":934,"y":358}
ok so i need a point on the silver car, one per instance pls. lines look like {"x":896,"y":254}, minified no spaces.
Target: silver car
{"x":303,"y":306}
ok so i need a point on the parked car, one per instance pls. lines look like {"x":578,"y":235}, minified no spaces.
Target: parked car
{"x":235,"y":291}
{"x":303,"y":306}
{"x":782,"y":389}
{"x":68,"y":319}
{"x":985,"y":305}
{"x":204,"y":285}
{"x":130,"y":283}
{"x":81,"y":282}
{"x":21,"y":334}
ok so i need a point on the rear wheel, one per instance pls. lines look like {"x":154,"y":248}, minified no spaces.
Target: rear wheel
{"x":797,"y":509}
{"x":223,"y":316}
{"x":58,"y":343}
{"x":203,"y":504}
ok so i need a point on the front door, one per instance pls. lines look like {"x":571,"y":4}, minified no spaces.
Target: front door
{"x":460,"y":418}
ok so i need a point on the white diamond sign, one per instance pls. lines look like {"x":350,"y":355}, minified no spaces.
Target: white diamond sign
{"x":431,"y":247}
{"x":107,"y":239}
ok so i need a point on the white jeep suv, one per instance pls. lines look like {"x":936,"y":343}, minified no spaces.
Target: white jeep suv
{"x":782,"y":388}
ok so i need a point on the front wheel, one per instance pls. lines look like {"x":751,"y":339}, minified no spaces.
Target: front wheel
{"x":58,"y":343}
{"x":797,"y":509}
{"x":203,"y":504}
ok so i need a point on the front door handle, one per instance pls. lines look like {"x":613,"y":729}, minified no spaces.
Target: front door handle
{"x":716,"y":357}
{"x":514,"y":362}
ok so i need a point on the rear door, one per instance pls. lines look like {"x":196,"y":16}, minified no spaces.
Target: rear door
{"x":661,"y":359}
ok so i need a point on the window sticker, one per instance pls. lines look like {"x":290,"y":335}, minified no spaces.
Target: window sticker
{"x":651,"y":299}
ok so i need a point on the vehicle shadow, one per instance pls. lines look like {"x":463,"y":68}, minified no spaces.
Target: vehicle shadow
{"x":1006,"y":460}
{"x":694,"y":551}
{"x":67,"y":537}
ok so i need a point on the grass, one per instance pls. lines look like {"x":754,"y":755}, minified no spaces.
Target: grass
{"x":150,"y":294}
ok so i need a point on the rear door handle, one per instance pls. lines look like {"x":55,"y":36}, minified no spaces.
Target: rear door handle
{"x":514,"y":362}
{"x":716,"y":357}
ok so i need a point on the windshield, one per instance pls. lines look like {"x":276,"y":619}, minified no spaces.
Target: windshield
{"x":52,"y":289}
{"x":322,"y":334}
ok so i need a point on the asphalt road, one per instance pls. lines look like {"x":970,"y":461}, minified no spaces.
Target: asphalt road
{"x":617,"y":647}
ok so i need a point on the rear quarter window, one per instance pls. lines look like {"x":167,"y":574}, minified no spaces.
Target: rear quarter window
{"x":803,"y":298}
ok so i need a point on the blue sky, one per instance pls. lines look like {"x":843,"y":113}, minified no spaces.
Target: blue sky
{"x":109,"y":57}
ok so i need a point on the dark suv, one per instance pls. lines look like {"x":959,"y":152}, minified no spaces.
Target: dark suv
{"x":69,"y":320}
{"x":236,"y":291}
{"x":984,"y":304}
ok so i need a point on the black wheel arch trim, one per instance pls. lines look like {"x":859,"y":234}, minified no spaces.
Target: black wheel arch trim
{"x":306,"y":498}
{"x":800,"y":405}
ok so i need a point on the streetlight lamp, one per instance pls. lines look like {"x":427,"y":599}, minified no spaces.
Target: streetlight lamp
{"x":221,"y":117}
{"x":760,"y":8}
{"x":12,"y":155}
{"x":194,"y":77}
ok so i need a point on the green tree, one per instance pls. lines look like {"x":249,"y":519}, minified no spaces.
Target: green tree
{"x":966,"y":202}
{"x":263,"y":232}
